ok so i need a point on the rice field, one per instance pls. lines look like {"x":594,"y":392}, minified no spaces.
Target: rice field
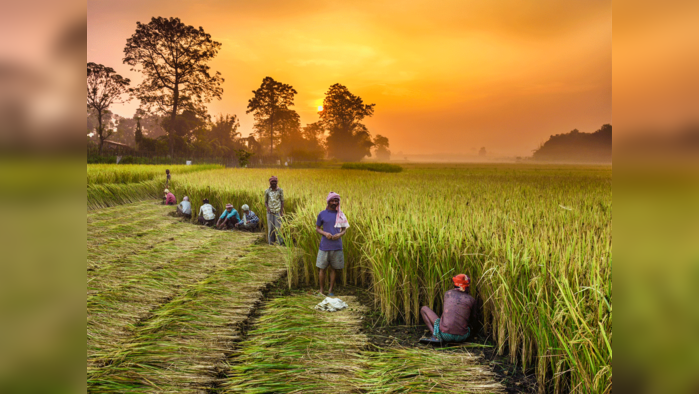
{"x":536,"y":241}
{"x":132,"y":173}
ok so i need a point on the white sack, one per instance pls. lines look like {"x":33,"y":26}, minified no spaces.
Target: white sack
{"x":331,"y":305}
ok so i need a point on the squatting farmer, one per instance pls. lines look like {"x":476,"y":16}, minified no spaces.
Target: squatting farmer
{"x":331,"y":225}
{"x":169,"y":198}
{"x":459,"y":308}
{"x":185,"y":208}
{"x":248,"y":220}
{"x":274,"y":202}
{"x":228,"y":219}
{"x":207,"y":215}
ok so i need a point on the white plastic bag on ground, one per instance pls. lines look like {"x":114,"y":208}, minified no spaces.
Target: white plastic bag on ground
{"x":331,"y":305}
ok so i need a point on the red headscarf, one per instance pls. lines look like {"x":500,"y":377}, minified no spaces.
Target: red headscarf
{"x":462,"y":281}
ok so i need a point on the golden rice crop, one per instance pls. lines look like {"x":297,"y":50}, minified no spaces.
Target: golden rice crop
{"x":536,"y":241}
{"x":132,"y":173}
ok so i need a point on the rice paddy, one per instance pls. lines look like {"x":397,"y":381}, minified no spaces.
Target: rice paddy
{"x":536,"y":241}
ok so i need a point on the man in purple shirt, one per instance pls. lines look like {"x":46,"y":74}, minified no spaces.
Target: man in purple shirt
{"x":459,"y":308}
{"x":330,"y":253}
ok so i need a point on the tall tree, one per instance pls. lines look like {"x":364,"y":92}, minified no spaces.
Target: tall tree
{"x":381,"y":148}
{"x":173,"y":58}
{"x":104,"y":88}
{"x":348,"y":139}
{"x":268,"y":103}
{"x":224,"y":135}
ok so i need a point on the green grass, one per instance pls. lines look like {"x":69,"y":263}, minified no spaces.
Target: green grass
{"x":164,"y":307}
{"x":296,"y":349}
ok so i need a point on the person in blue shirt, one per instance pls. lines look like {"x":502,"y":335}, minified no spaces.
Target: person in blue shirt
{"x":331,"y":225}
{"x":229,"y":218}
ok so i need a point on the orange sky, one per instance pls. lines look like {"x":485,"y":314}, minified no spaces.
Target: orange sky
{"x":446,"y":78}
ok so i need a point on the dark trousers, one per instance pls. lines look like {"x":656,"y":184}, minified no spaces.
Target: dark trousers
{"x":205,"y":222}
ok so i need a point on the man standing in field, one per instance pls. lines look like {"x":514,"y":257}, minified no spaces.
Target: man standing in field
{"x":459,"y":308}
{"x":331,"y":225}
{"x":274,"y":201}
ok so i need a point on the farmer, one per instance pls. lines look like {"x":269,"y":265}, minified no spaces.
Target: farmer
{"x":459,"y":308}
{"x":331,"y":225}
{"x":169,"y":198}
{"x":230,"y":218}
{"x":185,"y":208}
{"x":274,"y":202}
{"x":248,"y":220}
{"x":167,"y":178}
{"x":206,"y":214}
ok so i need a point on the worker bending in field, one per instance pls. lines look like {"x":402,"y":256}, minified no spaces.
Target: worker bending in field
{"x":248,"y":220}
{"x":274,"y":202}
{"x":459,"y":308}
{"x":229,"y":218}
{"x":185,"y":208}
{"x":331,"y":225}
{"x":207,"y":215}
{"x":169,"y":198}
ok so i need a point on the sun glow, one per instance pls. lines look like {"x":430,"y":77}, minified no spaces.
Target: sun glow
{"x":320,"y":108}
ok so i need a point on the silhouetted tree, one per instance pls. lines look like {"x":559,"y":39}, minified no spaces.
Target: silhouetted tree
{"x":138,"y":134}
{"x":578,"y":147}
{"x":224,"y":134}
{"x":482,"y":151}
{"x":267,"y":104}
{"x":381,"y":148}
{"x":173,"y":59}
{"x":104,"y":88}
{"x":348,"y":139}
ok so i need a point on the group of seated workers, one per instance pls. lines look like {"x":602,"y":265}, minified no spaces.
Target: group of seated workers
{"x":230,"y":219}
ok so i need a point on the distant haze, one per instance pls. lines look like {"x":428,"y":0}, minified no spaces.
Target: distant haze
{"x":447,"y":77}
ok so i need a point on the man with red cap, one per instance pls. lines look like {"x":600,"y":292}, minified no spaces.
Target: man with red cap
{"x":459,"y":309}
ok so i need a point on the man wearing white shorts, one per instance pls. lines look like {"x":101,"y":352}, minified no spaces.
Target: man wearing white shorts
{"x":331,"y":225}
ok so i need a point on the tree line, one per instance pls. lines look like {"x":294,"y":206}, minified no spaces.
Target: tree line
{"x":178,"y":83}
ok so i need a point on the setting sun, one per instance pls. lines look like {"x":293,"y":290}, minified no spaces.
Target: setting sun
{"x":320,"y":108}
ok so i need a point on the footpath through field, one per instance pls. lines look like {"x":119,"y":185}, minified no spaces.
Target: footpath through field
{"x":168,"y":304}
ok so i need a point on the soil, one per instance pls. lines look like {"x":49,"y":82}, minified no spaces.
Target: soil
{"x":397,"y":335}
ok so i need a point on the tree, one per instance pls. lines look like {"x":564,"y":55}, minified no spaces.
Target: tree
{"x":268,"y":103}
{"x":104,"y":88}
{"x":173,"y":58}
{"x":381,"y":146}
{"x":348,"y":139}
{"x":138,"y":135}
{"x":482,"y":151}
{"x":224,"y":135}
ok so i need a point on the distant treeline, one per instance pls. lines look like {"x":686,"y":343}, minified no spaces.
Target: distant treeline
{"x":578,"y":147}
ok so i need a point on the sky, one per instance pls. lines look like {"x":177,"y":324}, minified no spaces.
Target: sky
{"x":447,"y":77}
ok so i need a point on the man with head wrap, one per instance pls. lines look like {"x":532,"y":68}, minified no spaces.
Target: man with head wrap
{"x":274,"y":202}
{"x":185,"y":208}
{"x":248,"y":220}
{"x":459,"y":308}
{"x":331,"y":224}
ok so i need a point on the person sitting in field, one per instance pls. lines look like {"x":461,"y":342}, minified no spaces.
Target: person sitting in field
{"x":248,"y":220}
{"x":185,"y":208}
{"x":229,"y":218}
{"x":207,"y":216}
{"x":169,"y":198}
{"x":331,"y":224}
{"x":459,"y":308}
